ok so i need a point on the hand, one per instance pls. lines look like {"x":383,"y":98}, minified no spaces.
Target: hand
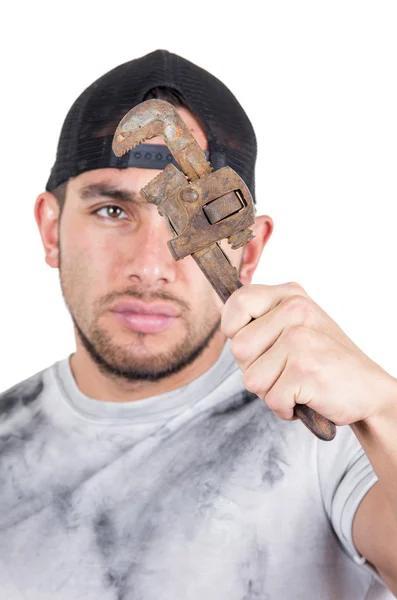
{"x":294,"y":353}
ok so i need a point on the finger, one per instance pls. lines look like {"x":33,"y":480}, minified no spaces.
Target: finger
{"x":269,"y":386}
{"x":297,"y":385}
{"x":258,"y":336}
{"x":285,"y":416}
{"x":287,"y":373}
{"x":253,"y":301}
{"x":263,"y":373}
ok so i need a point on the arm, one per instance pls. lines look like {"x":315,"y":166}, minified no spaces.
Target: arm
{"x":294,"y":353}
{"x":375,"y":523}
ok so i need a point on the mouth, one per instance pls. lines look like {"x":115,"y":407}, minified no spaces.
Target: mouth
{"x":145,"y":317}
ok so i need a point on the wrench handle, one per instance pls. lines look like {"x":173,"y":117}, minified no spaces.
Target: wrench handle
{"x":323,"y":428}
{"x":224,"y":279}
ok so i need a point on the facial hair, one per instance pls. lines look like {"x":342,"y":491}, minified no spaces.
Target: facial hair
{"x":111,"y":361}
{"x":134,"y":363}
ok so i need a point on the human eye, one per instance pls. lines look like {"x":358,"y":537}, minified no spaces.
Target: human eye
{"x":111,"y":211}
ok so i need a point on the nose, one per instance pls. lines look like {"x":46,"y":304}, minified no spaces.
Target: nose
{"x":150,"y":262}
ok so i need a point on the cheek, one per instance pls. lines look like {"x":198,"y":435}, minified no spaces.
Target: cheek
{"x":87,"y":258}
{"x":198,"y":285}
{"x":201,"y":294}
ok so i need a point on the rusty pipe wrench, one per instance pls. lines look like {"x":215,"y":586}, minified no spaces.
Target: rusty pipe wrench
{"x":201,"y":206}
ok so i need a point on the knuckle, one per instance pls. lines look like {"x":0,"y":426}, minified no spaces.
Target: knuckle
{"x":307,"y":371}
{"x":235,"y":313}
{"x":272,"y":401}
{"x":248,"y":295}
{"x":250,"y":382}
{"x":297,"y":366}
{"x":296,"y":302}
{"x":304,"y":366}
{"x":296,"y":288}
{"x":295,"y":334}
{"x":301,"y":306}
{"x":283,"y":415}
{"x":240,"y":295}
{"x":299,"y":335}
{"x":238,"y":348}
{"x":226,"y":326}
{"x":228,"y":321}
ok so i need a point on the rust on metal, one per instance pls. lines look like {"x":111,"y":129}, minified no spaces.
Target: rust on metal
{"x":201,"y":206}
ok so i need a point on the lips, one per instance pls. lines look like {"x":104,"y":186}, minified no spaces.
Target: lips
{"x":145,"y":317}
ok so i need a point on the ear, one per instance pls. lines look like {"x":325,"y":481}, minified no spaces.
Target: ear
{"x":46,"y":212}
{"x":262,"y":229}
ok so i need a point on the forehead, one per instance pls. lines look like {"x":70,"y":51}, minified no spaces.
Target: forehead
{"x":114,"y":184}
{"x":123,"y":177}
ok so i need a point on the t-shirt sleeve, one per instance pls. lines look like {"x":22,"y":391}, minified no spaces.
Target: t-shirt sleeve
{"x":345,"y":475}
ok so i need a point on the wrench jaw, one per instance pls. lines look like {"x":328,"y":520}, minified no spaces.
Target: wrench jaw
{"x":128,"y":136}
{"x":153,"y":118}
{"x":157,"y":118}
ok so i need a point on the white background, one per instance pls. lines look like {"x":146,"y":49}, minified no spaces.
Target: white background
{"x":318,"y":81}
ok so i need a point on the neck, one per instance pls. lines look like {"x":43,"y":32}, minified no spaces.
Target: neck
{"x":95,"y":383}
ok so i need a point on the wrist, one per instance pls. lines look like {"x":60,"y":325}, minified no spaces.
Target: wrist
{"x":385,"y":416}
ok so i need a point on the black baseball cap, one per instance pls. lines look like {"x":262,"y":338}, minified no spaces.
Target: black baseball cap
{"x":86,"y":138}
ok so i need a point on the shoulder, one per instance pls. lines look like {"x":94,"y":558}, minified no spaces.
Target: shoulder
{"x":23,"y":394}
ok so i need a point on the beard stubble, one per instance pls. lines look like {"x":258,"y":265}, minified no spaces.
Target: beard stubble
{"x":133,"y":362}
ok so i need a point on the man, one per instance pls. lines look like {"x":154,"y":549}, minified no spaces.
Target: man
{"x":148,"y":465}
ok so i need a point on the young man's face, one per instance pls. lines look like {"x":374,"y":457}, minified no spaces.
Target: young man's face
{"x":139,"y":313}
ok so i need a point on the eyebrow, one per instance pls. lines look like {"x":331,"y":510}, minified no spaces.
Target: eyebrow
{"x":106,"y":190}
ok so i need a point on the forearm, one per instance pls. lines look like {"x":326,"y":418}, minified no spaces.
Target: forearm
{"x":378,"y":437}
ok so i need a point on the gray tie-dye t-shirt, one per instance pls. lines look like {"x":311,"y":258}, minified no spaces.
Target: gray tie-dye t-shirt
{"x":199,"y":493}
